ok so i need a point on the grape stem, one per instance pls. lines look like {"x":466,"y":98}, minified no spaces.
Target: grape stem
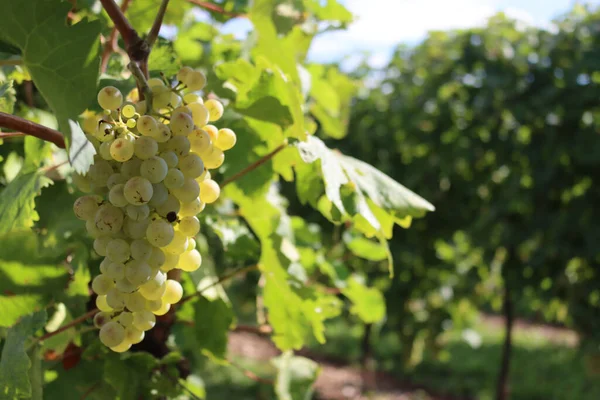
{"x":111,"y":44}
{"x":30,"y":128}
{"x":222,"y":279}
{"x":254,"y":165}
{"x":71,"y":324}
{"x":215,"y":8}
{"x":140,"y":78}
{"x":153,"y":34}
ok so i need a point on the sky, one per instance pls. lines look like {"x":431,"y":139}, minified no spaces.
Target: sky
{"x":382,"y":24}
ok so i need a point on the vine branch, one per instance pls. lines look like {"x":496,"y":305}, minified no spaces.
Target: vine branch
{"x":254,"y":165}
{"x":136,"y":47}
{"x":31,"y":128}
{"x":153,"y":34}
{"x":71,"y":324}
{"x":111,"y":45}
{"x":251,"y":375}
{"x":215,"y":8}
{"x":17,"y":61}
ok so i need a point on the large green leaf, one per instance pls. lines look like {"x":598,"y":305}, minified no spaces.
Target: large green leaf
{"x":129,"y":374}
{"x":14,"y":362}
{"x":295,"y":377}
{"x":84,"y":381}
{"x":212,"y":321}
{"x":367,"y":303}
{"x":62,"y":60}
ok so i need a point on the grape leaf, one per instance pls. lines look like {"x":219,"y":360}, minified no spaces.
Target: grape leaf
{"x":365,"y":248}
{"x":295,"y":377}
{"x":212,"y":321}
{"x":7,"y":96}
{"x":62,"y":60}
{"x":129,"y":375}
{"x":163,"y":59}
{"x":75,"y":383}
{"x":367,"y":303}
{"x":141,"y":13}
{"x":36,"y":373}
{"x":14,"y":362}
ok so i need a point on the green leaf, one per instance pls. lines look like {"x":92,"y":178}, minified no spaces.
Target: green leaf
{"x":188,"y":43}
{"x":296,"y":377}
{"x":36,"y":152}
{"x":36,"y":373}
{"x":129,"y":374}
{"x":365,"y":248}
{"x":60,"y":58}
{"x":84,"y":381}
{"x":17,"y":205}
{"x":331,"y":10}
{"x":14,"y":362}
{"x":367,"y":303}
{"x":212,"y":321}
{"x":7,"y":96}
{"x":141,"y":13}
{"x":163,"y":59}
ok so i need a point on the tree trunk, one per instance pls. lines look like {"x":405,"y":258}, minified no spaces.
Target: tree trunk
{"x":502,"y":389}
{"x":368,"y":376}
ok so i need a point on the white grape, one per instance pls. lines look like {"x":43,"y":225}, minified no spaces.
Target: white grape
{"x":163,"y":134}
{"x":181,"y":124}
{"x":144,"y":320}
{"x":135,"y":302}
{"x":192,"y":208}
{"x":141,"y":250}
{"x":109,"y":219}
{"x":160,"y":233}
{"x":183,"y":74}
{"x":102,"y":284}
{"x":147,"y":125}
{"x":104,"y":150}
{"x":118,"y":250}
{"x":116,"y":271}
{"x":112,"y":334}
{"x":188,"y":191}
{"x":125,"y":319}
{"x":170,"y":158}
{"x":213,"y":159}
{"x":164,"y":308}
{"x":105,"y":132}
{"x":100,"y":172}
{"x":190,"y":261}
{"x":104,"y":265}
{"x":200,"y":114}
{"x":85,"y":207}
{"x":124,"y":286}
{"x":145,"y":147}
{"x":131,"y":168}
{"x":180,"y":145}
{"x":138,"y":213}
{"x":171,"y":261}
{"x":116,"y":196}
{"x":101,"y":319}
{"x":135,"y":229}
{"x":226,"y":139}
{"x":195,"y":80}
{"x":115,"y":299}
{"x":115,"y":179}
{"x":178,"y":245}
{"x":154,"y":169}
{"x":189,"y":226}
{"x":159,"y":196}
{"x":192,"y":98}
{"x":191,"y":165}
{"x":128,"y":111}
{"x":121,"y":149}
{"x":174,"y":179}
{"x":138,"y":190}
{"x":134,"y":335}
{"x":153,"y":305}
{"x":209,"y":191}
{"x":121,"y":347}
{"x":215,"y":109}
{"x":137,"y":272}
{"x":212,"y":131}
{"x":102,"y":304}
{"x":110,"y":98}
{"x":157,"y":258}
{"x":161,"y":97}
{"x":171,"y":205}
{"x":155,"y":287}
{"x":173,"y":292}
{"x":200,"y":141}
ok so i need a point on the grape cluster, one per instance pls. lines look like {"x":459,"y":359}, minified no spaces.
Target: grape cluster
{"x":149,"y":180}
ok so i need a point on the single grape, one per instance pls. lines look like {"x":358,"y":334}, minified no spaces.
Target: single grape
{"x":101,"y":319}
{"x":209,"y":191}
{"x":175,"y":99}
{"x":154,"y":169}
{"x":104,"y":265}
{"x":155,"y":82}
{"x":188,"y":191}
{"x":131,"y":168}
{"x":102,"y":284}
{"x":138,"y":190}
{"x":112,"y":334}
{"x":145,"y":147}
{"x":125,"y":286}
{"x":104,"y":132}
{"x":121,"y":149}
{"x":137,"y":213}
{"x":109,"y":219}
{"x":82,"y":182}
{"x":147,"y":125}
{"x":171,"y":205}
{"x":192,"y":98}
{"x":100,"y":172}
{"x":155,"y":287}
{"x":190,"y":261}
{"x":141,"y":250}
{"x":191,"y":245}
{"x":164,"y":308}
{"x":137,"y":272}
{"x":183,"y":74}
{"x":131,"y":123}
{"x":157,"y":258}
{"x":135,"y":302}
{"x":170,"y":158}
{"x":104,"y":150}
{"x":212,"y":131}
{"x":121,"y":347}
{"x":173,"y":292}
{"x":115,"y":179}
{"x":178,"y":245}
{"x":181,"y":124}
{"x":171,"y":261}
{"x":116,"y":271}
{"x":214,"y":159}
{"x":180,"y":145}
{"x":161,"y":97}
{"x":195,"y":80}
{"x":135,"y":229}
{"x":226,"y":139}
{"x":102,"y":304}
{"x":85,"y":207}
{"x":91,"y":229}
{"x":125,"y":319}
{"x":110,"y":98}
{"x":181,"y":109}
{"x":153,"y":305}
{"x":115,"y":299}
{"x":160,"y":195}
{"x":163,"y":135}
{"x":118,"y":250}
{"x":128,"y":111}
{"x":215,"y":109}
{"x":134,"y":335}
{"x":200,"y":114}
{"x":116,"y":196}
{"x":174,"y":179}
{"x":160,"y":233}
{"x":192,"y":208}
{"x":189,"y":226}
{"x":144,"y":320}
{"x":191,"y":165}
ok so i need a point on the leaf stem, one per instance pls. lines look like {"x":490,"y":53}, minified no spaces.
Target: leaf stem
{"x":71,"y":324}
{"x":222,"y":279}
{"x":17,"y":61}
{"x":136,"y":47}
{"x":31,"y":128}
{"x":153,"y":34}
{"x":254,"y":165}
{"x":111,"y":44}
{"x":140,"y":77}
{"x":215,"y":8}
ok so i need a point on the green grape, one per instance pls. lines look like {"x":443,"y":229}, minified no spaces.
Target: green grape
{"x":109,"y":219}
{"x":160,"y":233}
{"x":116,"y":271}
{"x":115,"y":299}
{"x":209,"y":191}
{"x":181,"y":124}
{"x":131,"y":168}
{"x":104,"y":132}
{"x":104,"y":265}
{"x":131,"y":123}
{"x":121,"y":347}
{"x":161,"y":97}
{"x":135,"y":302}
{"x":116,"y":196}
{"x":85,"y":207}
{"x":115,"y":179}
{"x":189,"y":226}
{"x":134,"y":335}
{"x":180,"y":145}
{"x":124,"y":286}
{"x":99,"y":173}
{"x":204,"y":176}
{"x":118,"y":250}
{"x":212,"y":131}
{"x":192,"y":208}
{"x":163,"y":135}
{"x":128,"y":111}
{"x":100,"y":245}
{"x":112,"y":334}
{"x":138,"y":190}
{"x":183,"y":74}
{"x":121,"y":149}
{"x":164,"y":308}
{"x":155,"y":82}
{"x":137,"y":213}
{"x":175,"y":99}
{"x":171,"y":261}
{"x":214,"y":159}
{"x":170,"y":158}
{"x":195,"y":80}
{"x":145,"y":147}
{"x":174,"y":179}
{"x":110,"y":98}
{"x":190,"y":261}
{"x":141,"y":107}
{"x":82,"y":182}
{"x":215,"y":109}
{"x":153,"y":305}
{"x":181,"y":109}
{"x":157,"y":258}
{"x":200,"y":142}
{"x":155,"y":287}
{"x":101,"y":319}
{"x":171,"y":205}
{"x":91,"y":229}
{"x":178,"y":245}
{"x":147,"y":125}
{"x":102,"y":304}
{"x":125,"y":319}
{"x":102,"y":284}
{"x":144,"y":320}
{"x":137,"y":272}
{"x":191,"y":165}
{"x":192,"y":98}
{"x":160,"y":195}
{"x":135,"y":229}
{"x":200,"y":114}
{"x":226,"y":139}
{"x":104,"y":150}
{"x":141,"y":250}
{"x":154,"y":169}
{"x":173,"y":292}
{"x":188,"y":191}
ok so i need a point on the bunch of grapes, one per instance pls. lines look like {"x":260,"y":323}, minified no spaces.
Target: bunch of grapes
{"x":149,"y":180}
